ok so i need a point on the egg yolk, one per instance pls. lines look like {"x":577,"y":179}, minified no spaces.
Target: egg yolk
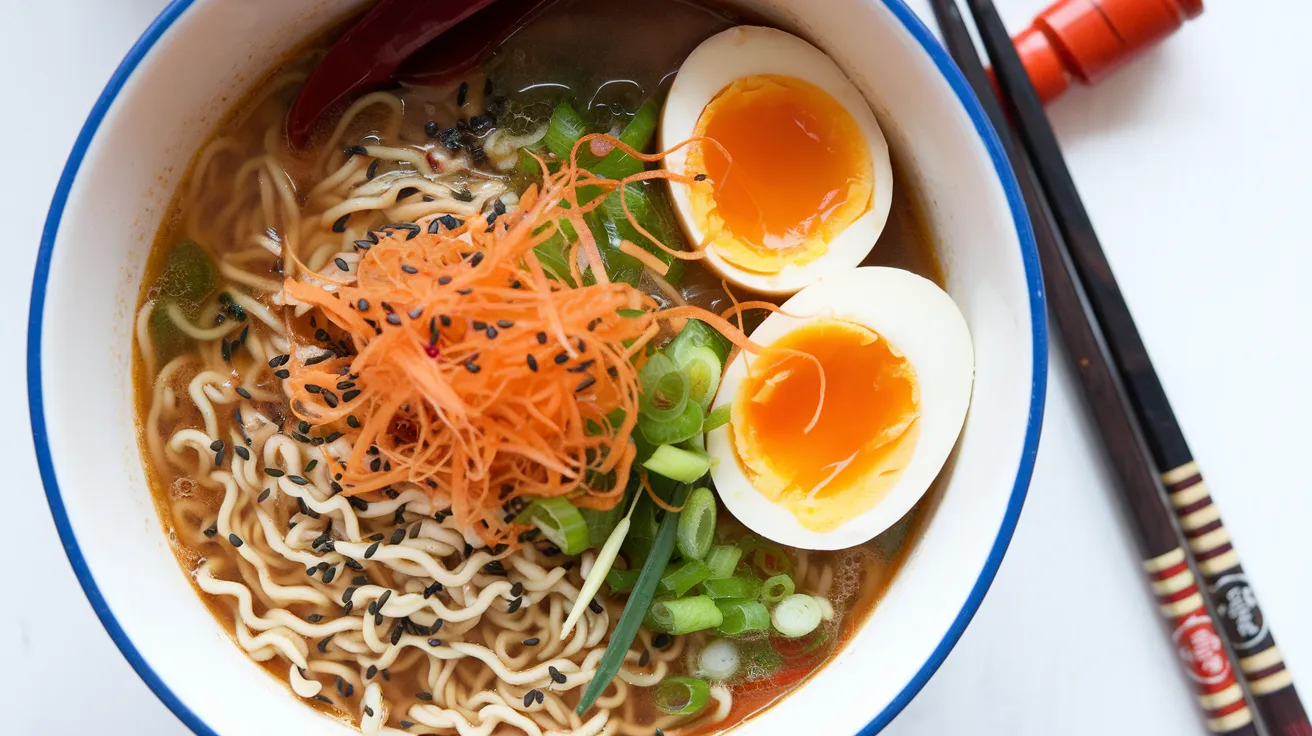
{"x":830,"y":467}
{"x":788,"y":171}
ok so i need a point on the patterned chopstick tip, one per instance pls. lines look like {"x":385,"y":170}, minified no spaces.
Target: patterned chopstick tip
{"x":1236,"y":604}
{"x":1197,"y":642}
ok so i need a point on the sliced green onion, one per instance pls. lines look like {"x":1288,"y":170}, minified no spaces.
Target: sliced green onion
{"x":650,"y":210}
{"x":718,"y":417}
{"x":664,"y":389}
{"x":564,"y":129}
{"x":797,"y":615}
{"x":762,"y":659}
{"x":676,"y":464}
{"x":621,"y":581}
{"x":684,"y":615}
{"x":737,"y":586}
{"x":777,"y":588}
{"x":703,"y":368}
{"x":636,"y":608}
{"x":771,"y":560}
{"x":681,"y":696}
{"x":630,"y":313}
{"x":560,"y":522}
{"x":682,"y":577}
{"x":673,"y":431}
{"x":742,"y":616}
{"x":697,"y":332}
{"x":719,"y":660}
{"x":605,"y":559}
{"x":697,"y":526}
{"x":723,"y":560}
{"x":637,"y":135}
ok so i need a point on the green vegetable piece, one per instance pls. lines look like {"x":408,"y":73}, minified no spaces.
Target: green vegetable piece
{"x":738,"y":586}
{"x":697,"y":332}
{"x":682,"y":577}
{"x":189,"y":277}
{"x":678,"y":464}
{"x":684,"y":615}
{"x":770,"y":560}
{"x":652,"y":211}
{"x":622,"y":581}
{"x":636,"y":608}
{"x":797,"y":615}
{"x":637,"y":135}
{"x":664,"y":389}
{"x":723,"y":560}
{"x":697,"y":526}
{"x":742,"y":616}
{"x":168,"y":339}
{"x":560,"y":522}
{"x":564,"y":129}
{"x":719,"y":660}
{"x":777,"y":588}
{"x":679,"y":429}
{"x":681,"y":696}
{"x":703,"y":369}
{"x":718,"y":417}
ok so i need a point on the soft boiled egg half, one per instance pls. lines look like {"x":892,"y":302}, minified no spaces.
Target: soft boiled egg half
{"x":846,"y":416}
{"x":793,"y":175}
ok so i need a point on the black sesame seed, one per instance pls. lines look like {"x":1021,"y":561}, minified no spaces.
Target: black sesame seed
{"x":534,"y":641}
{"x":505,"y":324}
{"x":339,"y":226}
{"x":313,"y":388}
{"x":406,"y":192}
{"x":234,"y":540}
{"x":394,"y":319}
{"x":700,"y":177}
{"x":437,"y":626}
{"x":432,"y":590}
{"x":368,"y":553}
{"x":477,"y":325}
{"x":243,"y":393}
{"x":541,"y":697}
{"x":371,"y":672}
{"x":362,"y":305}
{"x":342,"y":265}
{"x":363,"y":244}
{"x":432,"y":129}
{"x":450,"y":222}
{"x":514,"y":605}
{"x":443,"y":281}
{"x":462,"y":94}
{"x":434,"y":642}
{"x":561,"y":358}
{"x":406,"y":724}
{"x":472,"y":367}
{"x":491,"y":333}
{"x":373,"y":169}
{"x":556,"y":675}
{"x":329,"y":574}
{"x":585,"y":384}
{"x":662,"y":641}
{"x":396,"y":634}
{"x":581,"y":367}
{"x":323,"y":644}
{"x":408,"y":268}
{"x":529,"y":698}
{"x":476,"y":259}
{"x":349,"y":395}
{"x":464,"y":292}
{"x":644,"y":658}
{"x":211,"y":531}
{"x":398,"y":536}
{"x":264,"y":495}
{"x":298,"y":480}
{"x":498,"y":207}
{"x":282,"y":373}
{"x":517,"y":589}
{"x":424,"y":696}
{"x":356,"y":150}
{"x":532,"y":363}
{"x":323,"y":699}
{"x":352,"y":422}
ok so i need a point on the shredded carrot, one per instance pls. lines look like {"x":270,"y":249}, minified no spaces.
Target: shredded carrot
{"x":453,"y":362}
{"x":646,"y":486}
{"x":652,"y":263}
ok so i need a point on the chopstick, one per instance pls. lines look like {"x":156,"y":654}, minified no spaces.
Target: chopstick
{"x":1245,"y":627}
{"x":1082,"y":307}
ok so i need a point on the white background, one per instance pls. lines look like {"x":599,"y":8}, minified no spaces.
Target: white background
{"x":1196,"y":166}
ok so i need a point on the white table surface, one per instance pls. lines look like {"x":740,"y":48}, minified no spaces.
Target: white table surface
{"x":1196,"y":165}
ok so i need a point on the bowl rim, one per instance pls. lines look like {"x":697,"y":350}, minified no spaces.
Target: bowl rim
{"x":1039,"y":336}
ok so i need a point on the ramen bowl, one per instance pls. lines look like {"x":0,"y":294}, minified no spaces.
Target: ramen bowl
{"x":175,"y":85}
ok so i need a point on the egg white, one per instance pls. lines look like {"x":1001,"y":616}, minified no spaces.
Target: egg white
{"x":924,"y":324}
{"x":745,"y":51}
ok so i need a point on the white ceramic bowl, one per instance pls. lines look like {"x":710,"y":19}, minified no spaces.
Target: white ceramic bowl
{"x":155,"y":113}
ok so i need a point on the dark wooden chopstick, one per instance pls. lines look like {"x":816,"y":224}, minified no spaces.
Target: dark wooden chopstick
{"x":1242,"y":621}
{"x":1110,"y":402}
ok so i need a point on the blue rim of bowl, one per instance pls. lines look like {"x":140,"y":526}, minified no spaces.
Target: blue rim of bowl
{"x":1038,"y":321}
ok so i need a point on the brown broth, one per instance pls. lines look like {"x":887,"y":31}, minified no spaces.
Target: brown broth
{"x":905,"y":243}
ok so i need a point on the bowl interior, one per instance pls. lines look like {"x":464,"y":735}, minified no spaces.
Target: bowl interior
{"x":178,"y":82}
